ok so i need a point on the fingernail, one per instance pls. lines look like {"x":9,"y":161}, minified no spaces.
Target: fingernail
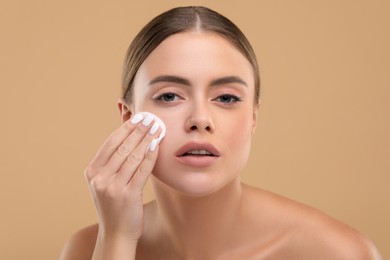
{"x":136,"y":119}
{"x":152,"y":146}
{"x":147,"y":120}
{"x":154,"y":128}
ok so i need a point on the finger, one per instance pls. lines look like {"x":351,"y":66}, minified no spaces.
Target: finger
{"x":145,"y":169}
{"x":111,"y":144}
{"x":135,"y":159}
{"x":144,"y":133}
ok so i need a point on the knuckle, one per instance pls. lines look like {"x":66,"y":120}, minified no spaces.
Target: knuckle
{"x":128,"y":127}
{"x":150,"y":156}
{"x":145,"y":169}
{"x":112,"y":140}
{"x":133,"y":158}
{"x":89,"y":172}
{"x":148,"y":138}
{"x":112,"y":192}
{"x":97,"y":184}
{"x":123,"y":150}
{"x":140,"y":129}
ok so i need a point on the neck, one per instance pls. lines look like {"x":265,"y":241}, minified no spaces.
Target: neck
{"x":198,"y":225}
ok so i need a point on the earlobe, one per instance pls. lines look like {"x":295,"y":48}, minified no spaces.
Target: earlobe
{"x":124,"y":110}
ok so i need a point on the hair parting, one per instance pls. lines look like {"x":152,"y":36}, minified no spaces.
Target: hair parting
{"x":178,"y":20}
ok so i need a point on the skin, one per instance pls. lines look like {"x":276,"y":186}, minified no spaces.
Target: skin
{"x":199,"y":212}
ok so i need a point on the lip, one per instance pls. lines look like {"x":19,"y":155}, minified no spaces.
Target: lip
{"x":198,"y":161}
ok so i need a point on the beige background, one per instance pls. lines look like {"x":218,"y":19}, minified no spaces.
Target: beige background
{"x":323,"y":137}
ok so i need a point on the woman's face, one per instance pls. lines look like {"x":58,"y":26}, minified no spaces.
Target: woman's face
{"x":203,"y":90}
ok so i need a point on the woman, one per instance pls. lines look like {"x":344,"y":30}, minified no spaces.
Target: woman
{"x":194,"y":69}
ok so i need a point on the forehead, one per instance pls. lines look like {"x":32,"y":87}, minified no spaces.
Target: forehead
{"x":197,"y":56}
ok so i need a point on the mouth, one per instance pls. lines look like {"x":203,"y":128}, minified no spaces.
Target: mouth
{"x":197,"y":149}
{"x":198,"y":155}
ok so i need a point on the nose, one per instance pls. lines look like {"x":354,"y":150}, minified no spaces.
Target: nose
{"x":199,"y":120}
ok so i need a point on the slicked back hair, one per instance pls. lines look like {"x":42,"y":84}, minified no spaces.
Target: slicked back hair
{"x":178,"y":20}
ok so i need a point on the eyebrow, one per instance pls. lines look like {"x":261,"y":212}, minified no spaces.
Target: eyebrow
{"x":170,"y":79}
{"x":186,"y":82}
{"x":228,"y":80}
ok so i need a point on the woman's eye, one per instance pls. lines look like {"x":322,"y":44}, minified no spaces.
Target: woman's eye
{"x":228,"y":98}
{"x":167,"y":97}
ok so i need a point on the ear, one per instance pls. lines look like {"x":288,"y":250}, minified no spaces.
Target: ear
{"x":255,"y":114}
{"x":124,"y":109}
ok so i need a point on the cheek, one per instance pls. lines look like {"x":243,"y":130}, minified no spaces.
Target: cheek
{"x":237,"y":135}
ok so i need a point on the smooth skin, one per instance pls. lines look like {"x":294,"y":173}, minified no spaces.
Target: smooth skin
{"x":199,"y":212}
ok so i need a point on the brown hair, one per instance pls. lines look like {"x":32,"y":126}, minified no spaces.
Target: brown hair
{"x":177,"y":20}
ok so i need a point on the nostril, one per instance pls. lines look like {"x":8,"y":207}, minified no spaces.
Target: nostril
{"x":194,"y":127}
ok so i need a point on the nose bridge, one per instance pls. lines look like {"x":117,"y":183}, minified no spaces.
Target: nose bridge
{"x":200,"y":116}
{"x":200,"y":108}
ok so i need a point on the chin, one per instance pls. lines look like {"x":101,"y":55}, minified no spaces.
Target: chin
{"x":197,"y":183}
{"x":193,"y":180}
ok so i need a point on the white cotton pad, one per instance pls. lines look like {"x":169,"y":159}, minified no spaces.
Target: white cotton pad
{"x":159,"y":121}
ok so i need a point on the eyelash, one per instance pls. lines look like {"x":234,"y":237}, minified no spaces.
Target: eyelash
{"x":160,"y":97}
{"x":235,"y":98}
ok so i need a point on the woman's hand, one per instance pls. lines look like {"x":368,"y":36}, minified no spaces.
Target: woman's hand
{"x":116,"y":177}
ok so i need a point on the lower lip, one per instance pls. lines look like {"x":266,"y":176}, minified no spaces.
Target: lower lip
{"x":197,"y":161}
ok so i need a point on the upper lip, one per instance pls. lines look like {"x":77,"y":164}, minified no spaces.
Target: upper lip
{"x":197,"y":146}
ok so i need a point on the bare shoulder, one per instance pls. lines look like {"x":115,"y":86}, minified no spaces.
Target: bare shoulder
{"x":319,"y":234}
{"x":311,"y":234}
{"x":81,"y":244}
